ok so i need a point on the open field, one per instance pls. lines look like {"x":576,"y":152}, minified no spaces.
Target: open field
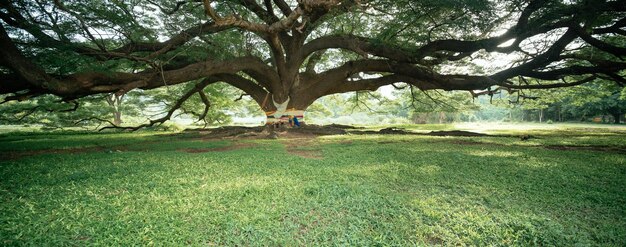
{"x":565,"y":186}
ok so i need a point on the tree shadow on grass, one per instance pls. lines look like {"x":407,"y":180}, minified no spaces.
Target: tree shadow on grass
{"x":517,"y":194}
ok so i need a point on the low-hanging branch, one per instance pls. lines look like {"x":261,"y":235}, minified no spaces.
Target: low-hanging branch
{"x":168,"y":115}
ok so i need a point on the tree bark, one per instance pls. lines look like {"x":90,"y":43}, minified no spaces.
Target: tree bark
{"x":115,"y":102}
{"x":117,"y":118}
{"x":616,"y":117}
{"x":442,"y":117}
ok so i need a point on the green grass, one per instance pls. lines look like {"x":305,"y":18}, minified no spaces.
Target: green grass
{"x":365,"y":190}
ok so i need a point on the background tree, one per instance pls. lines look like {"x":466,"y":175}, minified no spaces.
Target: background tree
{"x":435,"y":106}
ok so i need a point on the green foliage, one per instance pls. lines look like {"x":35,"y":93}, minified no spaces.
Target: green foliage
{"x":220,"y":95}
{"x":418,"y":104}
{"x":366,"y":190}
{"x":136,"y":107}
{"x":51,"y":111}
{"x":405,"y":24}
{"x":360,"y":108}
{"x":581,"y":102}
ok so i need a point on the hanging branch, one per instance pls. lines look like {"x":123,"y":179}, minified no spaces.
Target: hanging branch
{"x":415,"y":99}
{"x":94,"y":118}
{"x":241,"y":97}
{"x":20,"y":97}
{"x":358,"y":103}
{"x":207,"y":105}
{"x":196,"y":89}
{"x":34,"y":109}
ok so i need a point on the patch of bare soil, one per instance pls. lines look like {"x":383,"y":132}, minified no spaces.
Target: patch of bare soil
{"x":307,"y":131}
{"x":621,"y":150}
{"x":465,"y":142}
{"x":608,"y":149}
{"x":318,"y":130}
{"x":227,"y":132}
{"x":455,"y":133}
{"x":401,"y":131}
{"x":296,"y":146}
{"x":263,"y":132}
{"x":235,"y":146}
{"x":13,"y":155}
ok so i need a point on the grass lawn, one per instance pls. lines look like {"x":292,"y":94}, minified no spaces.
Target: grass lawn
{"x":565,"y":187}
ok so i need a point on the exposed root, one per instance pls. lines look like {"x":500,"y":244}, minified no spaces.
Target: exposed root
{"x":455,"y":133}
{"x":400,"y":131}
{"x":264,"y":132}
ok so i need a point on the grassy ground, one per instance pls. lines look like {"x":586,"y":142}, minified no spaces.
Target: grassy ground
{"x":155,"y":188}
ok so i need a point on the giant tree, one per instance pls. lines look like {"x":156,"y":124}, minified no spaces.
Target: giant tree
{"x":286,"y":54}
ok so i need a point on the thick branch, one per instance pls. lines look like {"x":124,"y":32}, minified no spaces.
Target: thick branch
{"x":541,"y":60}
{"x":617,"y":51}
{"x":282,"y":5}
{"x":249,"y":87}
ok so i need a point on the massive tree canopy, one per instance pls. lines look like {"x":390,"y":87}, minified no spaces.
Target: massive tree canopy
{"x":294,"y":52}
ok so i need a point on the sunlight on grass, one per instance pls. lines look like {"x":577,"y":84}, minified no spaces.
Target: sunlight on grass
{"x":490,"y":153}
{"x":365,"y":190}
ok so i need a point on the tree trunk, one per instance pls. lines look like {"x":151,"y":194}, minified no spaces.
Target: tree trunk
{"x":280,"y":113}
{"x":115,"y":102}
{"x":274,"y":117}
{"x":540,"y":115}
{"x":557,"y":114}
{"x":117,"y":117}
{"x":616,"y":118}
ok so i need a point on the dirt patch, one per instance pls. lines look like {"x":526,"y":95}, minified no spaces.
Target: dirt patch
{"x":13,"y":155}
{"x":297,"y":146}
{"x":609,"y":149}
{"x":264,"y":132}
{"x":221,"y":149}
{"x":226,"y":132}
{"x":465,"y":142}
{"x":621,"y":150}
{"x":432,"y":240}
{"x":318,"y":130}
{"x":307,"y":131}
{"x":400,"y":131}
{"x":455,"y":133}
